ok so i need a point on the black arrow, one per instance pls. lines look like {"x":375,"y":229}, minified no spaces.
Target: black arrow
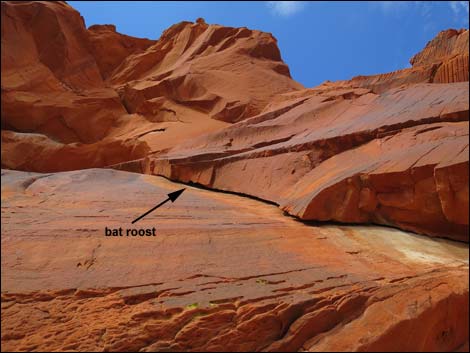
{"x":171,"y":196}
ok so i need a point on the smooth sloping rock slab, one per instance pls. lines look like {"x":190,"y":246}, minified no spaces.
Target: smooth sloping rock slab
{"x":223,"y":273}
{"x":399,"y":158}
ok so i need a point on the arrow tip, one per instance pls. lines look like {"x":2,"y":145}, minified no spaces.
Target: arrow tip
{"x":175,"y":194}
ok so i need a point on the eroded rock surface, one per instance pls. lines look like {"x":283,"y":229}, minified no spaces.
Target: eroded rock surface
{"x":52,"y":87}
{"x":50,"y":81}
{"x":223,"y":273}
{"x":216,"y":106}
{"x":87,"y":89}
{"x":28,"y":151}
{"x":388,"y":158}
{"x":348,"y":152}
{"x":228,"y":73}
{"x":110,"y":48}
{"x":443,"y":60}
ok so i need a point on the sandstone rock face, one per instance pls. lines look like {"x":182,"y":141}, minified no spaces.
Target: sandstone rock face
{"x":223,"y":273}
{"x":228,"y":73}
{"x":79,"y":86}
{"x":39,"y":153}
{"x":216,"y":107}
{"x":447,"y":44}
{"x":52,"y":88}
{"x":50,"y":81}
{"x":356,"y":151}
{"x":110,"y":48}
{"x":371,"y":158}
{"x":443,"y":60}
{"x":199,"y":79}
{"x":448,"y":52}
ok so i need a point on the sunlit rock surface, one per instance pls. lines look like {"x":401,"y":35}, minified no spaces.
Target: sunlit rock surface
{"x":293,"y":259}
{"x":223,"y":273}
{"x":86,"y":89}
{"x":399,"y":158}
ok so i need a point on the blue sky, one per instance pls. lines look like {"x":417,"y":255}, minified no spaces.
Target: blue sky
{"x":318,"y":40}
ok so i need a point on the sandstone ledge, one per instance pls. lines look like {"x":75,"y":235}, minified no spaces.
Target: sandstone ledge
{"x":243,"y":278}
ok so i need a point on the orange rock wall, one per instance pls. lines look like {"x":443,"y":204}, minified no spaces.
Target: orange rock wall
{"x":216,"y":106}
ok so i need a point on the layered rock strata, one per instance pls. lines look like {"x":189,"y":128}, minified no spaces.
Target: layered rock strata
{"x":86,"y":89}
{"x":216,"y":106}
{"x":374,"y":149}
{"x":398,"y":158}
{"x":223,"y":273}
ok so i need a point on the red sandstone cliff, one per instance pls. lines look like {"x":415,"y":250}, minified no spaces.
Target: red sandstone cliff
{"x":389,"y":149}
{"x":225,"y":273}
{"x":216,"y":106}
{"x":56,"y":109}
{"x":79,"y":89}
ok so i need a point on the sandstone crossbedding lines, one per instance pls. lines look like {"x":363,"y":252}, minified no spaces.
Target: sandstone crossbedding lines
{"x":156,"y":85}
{"x":294,"y":302}
{"x":287,"y":323}
{"x":250,"y":268}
